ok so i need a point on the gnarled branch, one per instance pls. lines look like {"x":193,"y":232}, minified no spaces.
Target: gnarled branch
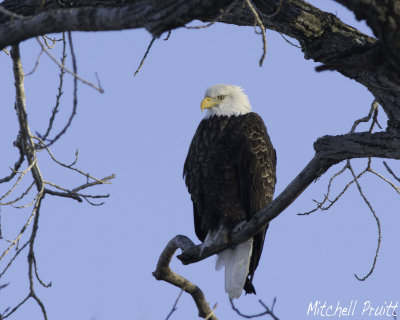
{"x":164,"y":272}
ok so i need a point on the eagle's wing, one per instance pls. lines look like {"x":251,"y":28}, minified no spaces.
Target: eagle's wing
{"x":256,"y":169}
{"x":193,"y":163}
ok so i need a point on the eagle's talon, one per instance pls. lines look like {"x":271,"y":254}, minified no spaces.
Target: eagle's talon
{"x":239,"y":227}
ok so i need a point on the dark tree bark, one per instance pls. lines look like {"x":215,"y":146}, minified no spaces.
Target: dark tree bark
{"x":375,"y":63}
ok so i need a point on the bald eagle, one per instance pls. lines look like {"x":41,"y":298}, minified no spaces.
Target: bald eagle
{"x":230,"y":174}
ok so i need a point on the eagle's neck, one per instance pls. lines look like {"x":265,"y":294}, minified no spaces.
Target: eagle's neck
{"x":228,"y":110}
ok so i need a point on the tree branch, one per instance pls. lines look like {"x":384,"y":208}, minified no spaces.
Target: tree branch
{"x":164,"y":272}
{"x":323,"y":37}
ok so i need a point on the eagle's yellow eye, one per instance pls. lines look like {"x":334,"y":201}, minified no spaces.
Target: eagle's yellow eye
{"x":220,"y":98}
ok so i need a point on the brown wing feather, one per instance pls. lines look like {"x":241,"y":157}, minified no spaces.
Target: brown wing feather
{"x":257,"y":180}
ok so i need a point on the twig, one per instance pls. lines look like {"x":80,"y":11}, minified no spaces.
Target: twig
{"x":212,"y":312}
{"x":94,"y":183}
{"x":21,"y":232}
{"x":374,"y":106}
{"x":17,"y":165}
{"x":397,"y":189}
{"x":70,"y":194}
{"x":4,"y":286}
{"x":68,"y":166}
{"x":36,"y":64}
{"x":391,"y":171}
{"x":44,"y":37}
{"x":377,"y":223}
{"x":220,"y":16}
{"x":326,"y":198}
{"x":288,"y":41}
{"x":59,"y":93}
{"x":37,"y":275}
{"x":373,"y":113}
{"x":320,"y":204}
{"x":168,"y":35}
{"x":13,"y":258}
{"x":16,"y":307}
{"x":31,"y":260}
{"x":22,"y":174}
{"x":63,"y":194}
{"x":174,"y":308}
{"x":267,"y":311}
{"x":75,"y":99}
{"x":261,"y":25}
{"x":145,"y":56}
{"x":101,"y":90}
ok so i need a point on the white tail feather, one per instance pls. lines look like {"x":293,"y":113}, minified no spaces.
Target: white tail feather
{"x":236,"y":262}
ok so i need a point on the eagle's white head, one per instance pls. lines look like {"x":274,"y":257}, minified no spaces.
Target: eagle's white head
{"x":225,"y":100}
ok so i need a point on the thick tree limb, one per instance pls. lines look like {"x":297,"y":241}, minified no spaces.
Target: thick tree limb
{"x":383,"y":17}
{"x":323,"y":37}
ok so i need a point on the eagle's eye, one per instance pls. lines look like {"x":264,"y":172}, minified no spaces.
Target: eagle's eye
{"x":220,"y":98}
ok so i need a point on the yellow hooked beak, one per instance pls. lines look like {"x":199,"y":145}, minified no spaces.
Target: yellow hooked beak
{"x":208,"y":103}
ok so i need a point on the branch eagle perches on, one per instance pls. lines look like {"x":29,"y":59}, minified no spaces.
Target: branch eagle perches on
{"x":372,"y":62}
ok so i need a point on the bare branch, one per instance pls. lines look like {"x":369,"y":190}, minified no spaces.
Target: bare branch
{"x":63,"y":194}
{"x":17,"y":165}
{"x":377,"y":223}
{"x":38,"y":199}
{"x":261,"y":25}
{"x":67,"y":70}
{"x":222,"y":13}
{"x":391,"y":171}
{"x":320,"y":204}
{"x":16,"y":307}
{"x":36,"y":64}
{"x":28,"y":149}
{"x":374,"y":107}
{"x":45,"y":38}
{"x":164,"y":272}
{"x":268,"y":311}
{"x":59,"y":93}
{"x":37,"y":275}
{"x":174,"y":307}
{"x":13,"y":258}
{"x":288,"y":41}
{"x":397,"y":189}
{"x":22,"y":174}
{"x":67,"y":166}
{"x":145,"y":56}
{"x":94,"y":183}
{"x":75,"y":99}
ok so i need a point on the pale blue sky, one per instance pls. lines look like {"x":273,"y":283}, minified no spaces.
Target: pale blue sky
{"x":100,"y":259}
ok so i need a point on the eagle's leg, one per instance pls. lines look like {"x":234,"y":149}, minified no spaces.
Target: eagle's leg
{"x":219,"y":236}
{"x":237,"y":228}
